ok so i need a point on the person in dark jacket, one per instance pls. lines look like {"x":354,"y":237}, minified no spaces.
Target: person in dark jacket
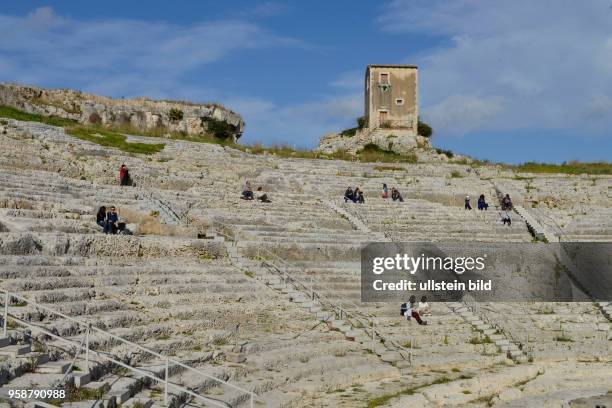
{"x":349,"y":195}
{"x":112,"y":221}
{"x":482,"y":204}
{"x":101,"y":216}
{"x":506,"y":203}
{"x":395,"y":195}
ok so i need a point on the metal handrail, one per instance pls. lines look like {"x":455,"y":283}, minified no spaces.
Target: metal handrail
{"x":87,"y":349}
{"x":354,"y":314}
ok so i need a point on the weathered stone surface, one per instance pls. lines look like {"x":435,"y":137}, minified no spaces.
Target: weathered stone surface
{"x":140,"y":113}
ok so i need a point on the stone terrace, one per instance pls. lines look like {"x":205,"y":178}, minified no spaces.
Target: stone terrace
{"x":210,"y":303}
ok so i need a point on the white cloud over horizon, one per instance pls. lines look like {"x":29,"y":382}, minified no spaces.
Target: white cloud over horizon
{"x":511,"y":65}
{"x":121,"y":56}
{"x":126,"y":58}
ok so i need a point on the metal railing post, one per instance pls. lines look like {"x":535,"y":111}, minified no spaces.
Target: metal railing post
{"x":251,"y":400}
{"x":166,"y":384}
{"x":87,"y":348}
{"x":372,"y":329}
{"x":6,"y":304}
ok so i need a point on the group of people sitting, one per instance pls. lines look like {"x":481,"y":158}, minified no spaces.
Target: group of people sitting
{"x":482,"y":203}
{"x":395,"y":194}
{"x":247,"y":193}
{"x":411,"y":310}
{"x":355,"y":196}
{"x":506,"y":207}
{"x":109,"y":221}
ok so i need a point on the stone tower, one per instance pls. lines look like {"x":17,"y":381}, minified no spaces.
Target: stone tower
{"x":391,"y":97}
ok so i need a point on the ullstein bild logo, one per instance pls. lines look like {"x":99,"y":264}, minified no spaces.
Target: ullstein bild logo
{"x":486,"y":271}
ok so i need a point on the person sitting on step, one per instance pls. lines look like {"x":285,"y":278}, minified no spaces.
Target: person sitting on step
{"x":482,"y":204}
{"x":467,"y":203}
{"x":395,"y":195}
{"x":112,"y":221}
{"x":506,"y":203}
{"x":411,"y":311}
{"x":349,"y":195}
{"x":359,"y":196}
{"x":424,"y":308}
{"x":101,"y":216}
{"x":385,"y":191}
{"x":247,"y":191}
{"x":261,"y":196}
{"x":506,"y":218}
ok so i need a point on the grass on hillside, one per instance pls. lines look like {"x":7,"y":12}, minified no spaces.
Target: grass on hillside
{"x":373,"y":153}
{"x":95,"y":134}
{"x":572,"y":167}
{"x":109,"y":138}
{"x":12,"y":113}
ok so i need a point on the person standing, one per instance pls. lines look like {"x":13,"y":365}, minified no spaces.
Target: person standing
{"x":124,"y":175}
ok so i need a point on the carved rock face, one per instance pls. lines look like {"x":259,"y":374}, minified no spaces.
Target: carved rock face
{"x":140,"y":114}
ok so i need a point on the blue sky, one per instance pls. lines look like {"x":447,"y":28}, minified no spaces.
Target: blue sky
{"x":507,"y":81}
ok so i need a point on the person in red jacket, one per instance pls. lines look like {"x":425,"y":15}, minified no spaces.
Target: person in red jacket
{"x":124,"y":176}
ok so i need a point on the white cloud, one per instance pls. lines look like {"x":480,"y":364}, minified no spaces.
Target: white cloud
{"x":300,"y":125}
{"x":509,"y":65}
{"x":119,"y":55}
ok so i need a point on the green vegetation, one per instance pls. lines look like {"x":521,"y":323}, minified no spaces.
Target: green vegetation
{"x":362,"y":122}
{"x":75,"y":394}
{"x":101,"y":136}
{"x":110,"y":138}
{"x":424,"y":129}
{"x":563,"y":338}
{"x":175,"y":114}
{"x":12,"y":113}
{"x":388,"y":168}
{"x":455,"y":174}
{"x":384,"y":399}
{"x":480,"y":340}
{"x":572,"y":167}
{"x":373,"y":153}
{"x":220,"y":129}
{"x":447,"y":153}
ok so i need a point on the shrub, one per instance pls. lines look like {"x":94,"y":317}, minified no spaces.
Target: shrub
{"x":362,"y":122}
{"x":349,"y":132}
{"x":447,"y":153}
{"x":373,"y":153}
{"x":424,"y":129}
{"x":220,"y":129}
{"x":175,"y":114}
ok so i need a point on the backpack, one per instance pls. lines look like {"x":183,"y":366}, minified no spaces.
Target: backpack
{"x":403,"y":308}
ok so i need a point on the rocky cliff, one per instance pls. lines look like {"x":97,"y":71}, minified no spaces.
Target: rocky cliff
{"x":139,"y":113}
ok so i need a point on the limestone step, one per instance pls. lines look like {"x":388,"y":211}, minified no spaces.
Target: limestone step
{"x":81,"y":378}
{"x":15,"y":350}
{"x":120,"y":395}
{"x":391,"y":357}
{"x":53,"y":367}
{"x":138,"y":403}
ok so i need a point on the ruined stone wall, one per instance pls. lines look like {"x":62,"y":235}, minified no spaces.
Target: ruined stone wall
{"x":138,"y":113}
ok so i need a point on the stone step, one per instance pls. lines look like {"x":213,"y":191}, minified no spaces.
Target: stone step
{"x":120,"y":395}
{"x":81,"y":378}
{"x":53,"y":367}
{"x":138,"y":403}
{"x":15,"y":350}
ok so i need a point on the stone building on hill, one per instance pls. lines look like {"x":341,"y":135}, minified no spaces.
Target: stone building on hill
{"x":390,"y":113}
{"x":391,"y":97}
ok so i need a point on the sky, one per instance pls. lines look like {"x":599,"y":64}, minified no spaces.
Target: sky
{"x":505,"y":81}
